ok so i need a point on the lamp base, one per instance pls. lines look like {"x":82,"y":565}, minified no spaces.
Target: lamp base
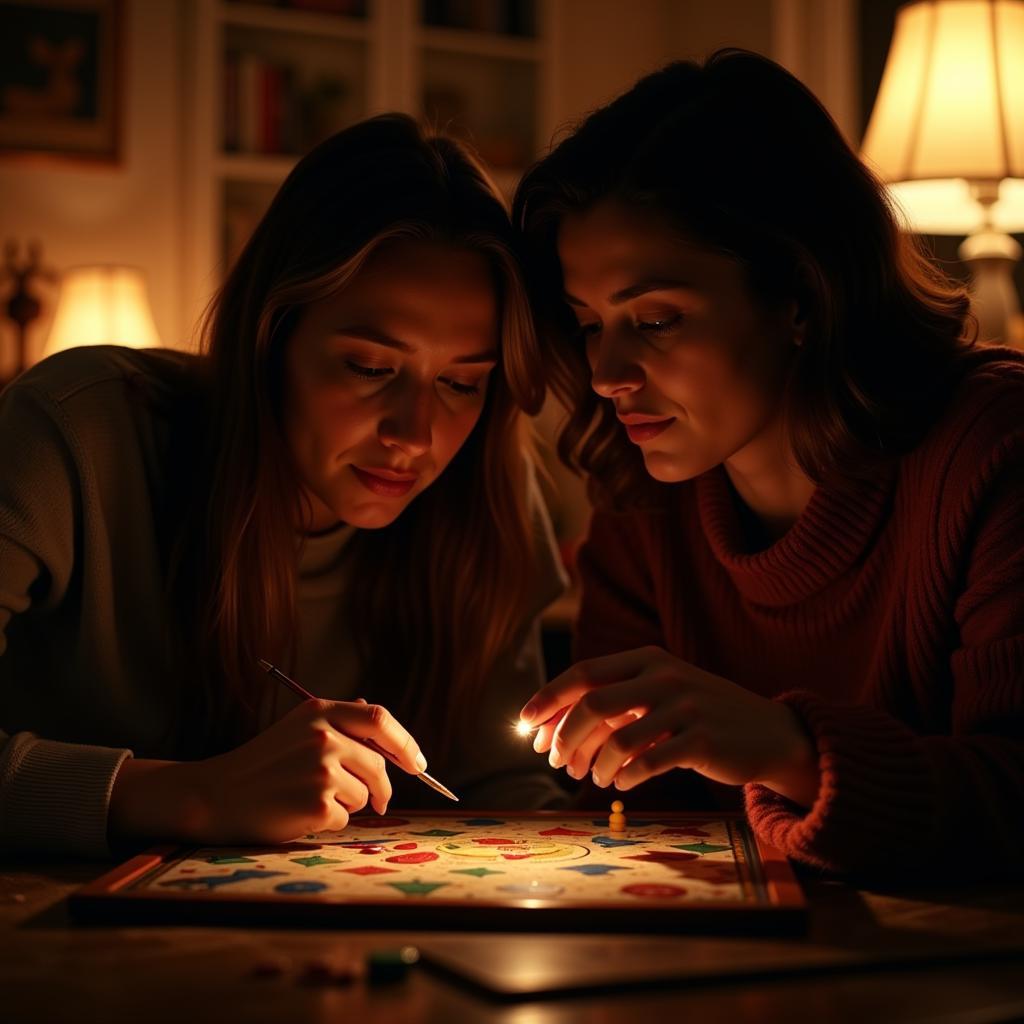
{"x":992,"y":257}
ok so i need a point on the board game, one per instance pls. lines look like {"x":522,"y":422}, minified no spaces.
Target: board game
{"x":485,"y":871}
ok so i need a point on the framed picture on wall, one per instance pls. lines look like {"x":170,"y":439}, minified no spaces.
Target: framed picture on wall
{"x":60,"y":78}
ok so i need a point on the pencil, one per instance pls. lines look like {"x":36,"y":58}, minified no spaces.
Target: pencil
{"x":301,"y":691}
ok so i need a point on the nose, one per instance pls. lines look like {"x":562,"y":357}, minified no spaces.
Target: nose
{"x":613,"y":370}
{"x":408,"y":424}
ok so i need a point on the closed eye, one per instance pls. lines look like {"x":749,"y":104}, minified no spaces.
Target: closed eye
{"x":460,"y":388}
{"x":368,"y":372}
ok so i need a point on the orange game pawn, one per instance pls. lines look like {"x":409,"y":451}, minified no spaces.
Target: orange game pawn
{"x":617,"y":820}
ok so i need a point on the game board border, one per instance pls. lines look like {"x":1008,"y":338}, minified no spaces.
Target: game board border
{"x":776,"y":903}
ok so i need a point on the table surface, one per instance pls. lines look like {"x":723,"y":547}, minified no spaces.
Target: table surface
{"x":967,"y":946}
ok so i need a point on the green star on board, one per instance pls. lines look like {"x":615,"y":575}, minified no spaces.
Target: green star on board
{"x":436,"y":832}
{"x":230,"y":860}
{"x":699,"y":847}
{"x":416,"y":888}
{"x":476,"y":872}
{"x":315,"y":860}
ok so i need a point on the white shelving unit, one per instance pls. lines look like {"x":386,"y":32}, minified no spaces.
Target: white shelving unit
{"x":492,"y":87}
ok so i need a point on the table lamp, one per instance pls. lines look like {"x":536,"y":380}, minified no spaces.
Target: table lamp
{"x":103,"y":305}
{"x":947,"y":134}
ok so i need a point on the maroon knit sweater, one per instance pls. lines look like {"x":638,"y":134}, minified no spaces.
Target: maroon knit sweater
{"x":890,"y":618}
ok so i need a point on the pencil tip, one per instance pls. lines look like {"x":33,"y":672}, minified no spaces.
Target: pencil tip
{"x":264,"y":664}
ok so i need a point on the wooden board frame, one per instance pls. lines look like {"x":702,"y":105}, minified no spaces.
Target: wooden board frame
{"x":775,"y":904}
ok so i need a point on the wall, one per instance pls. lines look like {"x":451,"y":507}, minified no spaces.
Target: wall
{"x":128,"y":213}
{"x":134,"y":213}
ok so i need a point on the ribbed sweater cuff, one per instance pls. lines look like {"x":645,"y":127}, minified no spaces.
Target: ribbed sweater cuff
{"x":876,"y":803}
{"x":54,"y":797}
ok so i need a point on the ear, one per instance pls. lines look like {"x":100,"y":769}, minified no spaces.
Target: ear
{"x":796,"y":322}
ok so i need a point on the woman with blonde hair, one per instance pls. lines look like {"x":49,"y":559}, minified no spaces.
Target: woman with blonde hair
{"x":337,"y":484}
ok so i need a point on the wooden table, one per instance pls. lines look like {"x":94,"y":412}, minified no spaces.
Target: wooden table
{"x":962,"y":950}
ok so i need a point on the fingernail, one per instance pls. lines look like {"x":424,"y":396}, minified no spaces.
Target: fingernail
{"x":421,"y":763}
{"x":597,"y":779}
{"x":572,"y":772}
{"x":528,"y":713}
{"x":384,"y":810}
{"x":554,"y":760}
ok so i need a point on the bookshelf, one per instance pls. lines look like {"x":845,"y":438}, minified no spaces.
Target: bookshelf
{"x":265,"y":81}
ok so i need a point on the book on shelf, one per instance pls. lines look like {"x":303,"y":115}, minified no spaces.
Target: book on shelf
{"x":264,"y":111}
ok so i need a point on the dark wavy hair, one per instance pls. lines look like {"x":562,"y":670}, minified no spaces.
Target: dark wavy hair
{"x":739,"y":156}
{"x":442,"y":590}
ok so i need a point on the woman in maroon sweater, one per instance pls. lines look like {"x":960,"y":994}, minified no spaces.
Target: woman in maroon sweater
{"x":805,"y":568}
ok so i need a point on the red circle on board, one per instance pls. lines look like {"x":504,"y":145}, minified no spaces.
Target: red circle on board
{"x":413,"y":858}
{"x":405,"y":846}
{"x":654,"y":891}
{"x":491,"y":841}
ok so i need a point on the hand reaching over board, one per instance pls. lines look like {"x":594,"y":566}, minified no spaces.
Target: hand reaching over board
{"x":307,"y":772}
{"x":627,"y":717}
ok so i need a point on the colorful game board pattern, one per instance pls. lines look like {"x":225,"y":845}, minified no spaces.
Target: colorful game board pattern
{"x":396,"y":858}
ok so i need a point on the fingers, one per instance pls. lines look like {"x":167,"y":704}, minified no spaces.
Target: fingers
{"x":572,"y":684}
{"x":592,"y":711}
{"x":579,"y":765}
{"x":681,"y":751}
{"x":542,"y":739}
{"x":628,"y":743}
{"x":349,"y":791}
{"x":588,"y":749}
{"x":374,"y":722}
{"x":369,"y":769}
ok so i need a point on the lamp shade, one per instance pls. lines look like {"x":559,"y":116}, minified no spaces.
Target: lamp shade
{"x":103,"y":305}
{"x":950,"y":114}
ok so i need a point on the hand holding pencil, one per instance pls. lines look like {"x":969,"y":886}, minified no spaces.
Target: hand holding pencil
{"x":308,"y":772}
{"x":421,"y":761}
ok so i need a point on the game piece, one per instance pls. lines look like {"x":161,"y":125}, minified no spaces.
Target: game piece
{"x":388,"y":965}
{"x":617,"y":820}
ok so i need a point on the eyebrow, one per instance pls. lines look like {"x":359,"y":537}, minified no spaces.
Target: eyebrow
{"x":634,"y":291}
{"x":379,"y":338}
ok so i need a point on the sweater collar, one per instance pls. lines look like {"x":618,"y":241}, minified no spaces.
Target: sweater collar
{"x":832,"y":534}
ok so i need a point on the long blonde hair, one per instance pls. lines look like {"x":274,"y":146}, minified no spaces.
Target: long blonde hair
{"x":444,"y":588}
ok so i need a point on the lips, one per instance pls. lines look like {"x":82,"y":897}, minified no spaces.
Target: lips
{"x":640,"y":432}
{"x":385,"y":483}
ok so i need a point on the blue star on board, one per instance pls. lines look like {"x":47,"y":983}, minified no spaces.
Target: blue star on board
{"x":300,"y":887}
{"x":607,"y":841}
{"x":594,"y":869}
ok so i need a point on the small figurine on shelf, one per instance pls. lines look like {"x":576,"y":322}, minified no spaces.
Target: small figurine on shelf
{"x":22,"y":305}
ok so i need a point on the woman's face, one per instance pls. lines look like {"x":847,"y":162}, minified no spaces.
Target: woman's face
{"x":385,"y":379}
{"x":694,"y":366}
